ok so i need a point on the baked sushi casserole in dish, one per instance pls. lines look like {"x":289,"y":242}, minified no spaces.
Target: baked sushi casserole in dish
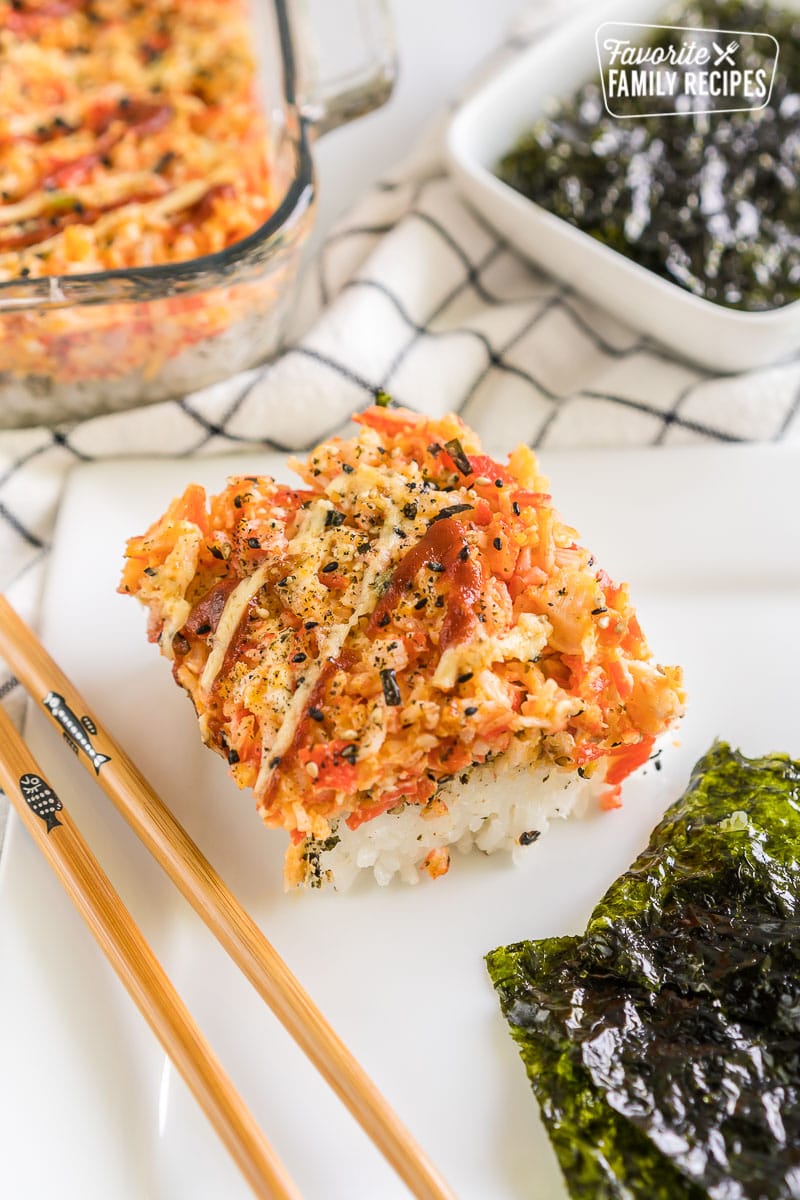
{"x":409,"y":653}
{"x":156,"y":190}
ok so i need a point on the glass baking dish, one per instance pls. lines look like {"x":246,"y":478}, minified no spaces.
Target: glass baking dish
{"x":76,"y":345}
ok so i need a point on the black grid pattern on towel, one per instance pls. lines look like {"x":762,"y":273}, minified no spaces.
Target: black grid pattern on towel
{"x":544,"y":330}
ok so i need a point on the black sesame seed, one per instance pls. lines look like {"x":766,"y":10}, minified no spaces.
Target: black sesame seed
{"x":203,"y":629}
{"x":237,"y":501}
{"x":498,"y":483}
{"x":465,"y":678}
{"x":470,"y":711}
{"x":331,"y":566}
{"x":233,"y":757}
{"x":316,"y":714}
{"x":435,"y":566}
{"x":421,"y":603}
{"x":497,"y":543}
{"x":334,"y":519}
{"x":384,"y":620}
{"x":463,"y":553}
{"x":597,"y":611}
{"x":275,"y":762}
{"x":440,"y":602}
{"x":516,"y":509}
{"x":348,"y":470}
{"x":150,"y":571}
{"x":254,"y":543}
{"x":391,"y":692}
{"x":531,"y":835}
{"x":299,"y":657}
{"x":311,"y":624}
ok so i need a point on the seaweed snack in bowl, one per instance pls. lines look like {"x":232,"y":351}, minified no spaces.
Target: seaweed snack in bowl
{"x":410,"y":652}
{"x":662,"y":1045}
{"x":705,"y":200}
{"x":131,"y":136}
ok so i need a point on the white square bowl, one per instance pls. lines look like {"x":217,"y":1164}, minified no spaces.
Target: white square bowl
{"x":489,"y":124}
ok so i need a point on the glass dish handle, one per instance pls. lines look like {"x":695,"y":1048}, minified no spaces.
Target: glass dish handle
{"x":346,"y":59}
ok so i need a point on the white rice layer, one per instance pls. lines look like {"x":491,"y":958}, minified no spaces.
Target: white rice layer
{"x":494,"y":808}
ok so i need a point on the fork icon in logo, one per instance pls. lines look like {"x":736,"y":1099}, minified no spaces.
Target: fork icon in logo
{"x":725,"y":55}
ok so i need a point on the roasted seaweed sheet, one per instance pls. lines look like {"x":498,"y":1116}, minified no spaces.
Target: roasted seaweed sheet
{"x":664,"y":1044}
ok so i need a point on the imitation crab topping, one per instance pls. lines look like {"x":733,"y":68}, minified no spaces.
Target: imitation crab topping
{"x":412,"y":611}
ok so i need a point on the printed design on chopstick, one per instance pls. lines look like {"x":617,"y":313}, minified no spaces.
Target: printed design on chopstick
{"x":41,"y":799}
{"x":78,"y":731}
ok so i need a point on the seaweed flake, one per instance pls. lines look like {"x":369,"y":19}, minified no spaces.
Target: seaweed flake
{"x":664,"y":1044}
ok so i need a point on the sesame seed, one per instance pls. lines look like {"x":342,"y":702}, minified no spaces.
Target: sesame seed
{"x":331,"y":566}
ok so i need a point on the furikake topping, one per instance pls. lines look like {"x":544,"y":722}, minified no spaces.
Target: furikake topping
{"x":706,"y":200}
{"x":451,"y":510}
{"x":664,"y":1044}
{"x":456,"y":452}
{"x":391,"y":690}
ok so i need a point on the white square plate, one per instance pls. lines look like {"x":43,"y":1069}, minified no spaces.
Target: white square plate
{"x":89,"y":1109}
{"x":489,"y":124}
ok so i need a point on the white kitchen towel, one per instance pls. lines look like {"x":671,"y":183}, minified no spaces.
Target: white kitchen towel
{"x":412,"y":294}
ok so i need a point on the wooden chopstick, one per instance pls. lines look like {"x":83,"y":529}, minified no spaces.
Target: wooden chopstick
{"x":212,"y":900}
{"x":121,"y":940}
